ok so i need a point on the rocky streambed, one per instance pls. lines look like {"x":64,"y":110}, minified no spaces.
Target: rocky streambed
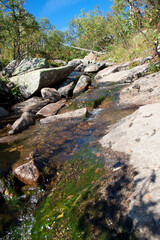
{"x":87,"y":167}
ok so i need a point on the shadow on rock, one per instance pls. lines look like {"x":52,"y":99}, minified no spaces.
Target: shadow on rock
{"x":143,"y":209}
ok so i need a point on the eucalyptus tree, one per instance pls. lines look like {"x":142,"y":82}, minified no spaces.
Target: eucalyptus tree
{"x":18,"y":26}
{"x":89,"y":30}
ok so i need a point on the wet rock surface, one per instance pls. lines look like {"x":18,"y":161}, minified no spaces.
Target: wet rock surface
{"x":90,"y":192}
{"x":32,"y":105}
{"x":27,"y":119}
{"x":27,"y":173}
{"x":79,"y":113}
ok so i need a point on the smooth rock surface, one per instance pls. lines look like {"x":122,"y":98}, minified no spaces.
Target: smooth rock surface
{"x":110,"y":69}
{"x":145,"y":90}
{"x":125,"y":76}
{"x":32,"y":82}
{"x":51,"y":109}
{"x":72,"y":114}
{"x":50,"y":94}
{"x":30,"y":64}
{"x":75,"y":62}
{"x":27,"y":119}
{"x":139,"y":136}
{"x":9,"y":69}
{"x":27,"y":173}
{"x":83,"y":82}
{"x":32,"y":105}
{"x":67,"y":88}
{"x":94,"y":67}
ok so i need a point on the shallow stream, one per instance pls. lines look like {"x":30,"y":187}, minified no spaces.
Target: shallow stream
{"x":82,"y":189}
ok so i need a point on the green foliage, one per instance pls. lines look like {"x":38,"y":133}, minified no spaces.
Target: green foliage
{"x":89,"y":30}
{"x":22,"y":36}
{"x":154,"y":67}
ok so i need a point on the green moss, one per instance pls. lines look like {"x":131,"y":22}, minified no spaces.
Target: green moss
{"x":62,"y":211}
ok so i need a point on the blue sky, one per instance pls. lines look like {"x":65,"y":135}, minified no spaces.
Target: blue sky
{"x":60,"y":12}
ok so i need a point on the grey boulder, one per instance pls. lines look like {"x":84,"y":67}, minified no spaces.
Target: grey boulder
{"x":71,"y":114}
{"x":83,"y":82}
{"x":32,"y":105}
{"x":50,"y":94}
{"x":32,"y":82}
{"x":30,"y":64}
{"x":27,"y":119}
{"x":51,"y":109}
{"x":145,"y":90}
{"x":138,"y":135}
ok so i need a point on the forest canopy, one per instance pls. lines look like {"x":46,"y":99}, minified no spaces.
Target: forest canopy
{"x":22,"y":35}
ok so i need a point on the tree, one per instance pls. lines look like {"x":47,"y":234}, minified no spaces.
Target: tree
{"x":18,"y":25}
{"x":89,"y":30}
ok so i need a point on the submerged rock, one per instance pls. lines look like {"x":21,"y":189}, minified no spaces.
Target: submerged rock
{"x":27,"y":173}
{"x":72,"y":114}
{"x":32,"y":82}
{"x":27,"y":119}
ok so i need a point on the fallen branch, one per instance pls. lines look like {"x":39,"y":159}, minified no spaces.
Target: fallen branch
{"x":83,"y":49}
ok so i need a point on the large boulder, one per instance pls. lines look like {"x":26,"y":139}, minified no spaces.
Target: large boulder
{"x":113,"y":68}
{"x":10,"y":68}
{"x":51,"y":109}
{"x":50,"y":94}
{"x":71,"y":114}
{"x":27,"y":119}
{"x":32,"y":82}
{"x":138,"y":135}
{"x":30,"y":64}
{"x":124,"y":76}
{"x":32,"y":105}
{"x":83,"y":82}
{"x":145,"y":90}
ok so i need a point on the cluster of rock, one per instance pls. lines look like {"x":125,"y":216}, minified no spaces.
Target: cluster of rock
{"x":137,"y":135}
